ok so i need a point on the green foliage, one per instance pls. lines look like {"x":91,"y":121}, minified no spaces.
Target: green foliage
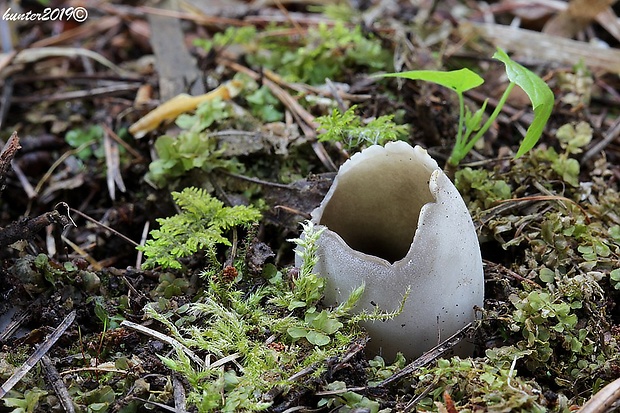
{"x":97,"y":400}
{"x":265,"y":105}
{"x":559,"y":328}
{"x":347,"y":401}
{"x":463,"y":80}
{"x":459,"y":81}
{"x":480,"y":188}
{"x":87,"y":141}
{"x":232,"y":35}
{"x":324,"y":52}
{"x":24,"y":403}
{"x":569,"y":240}
{"x":194,"y":147}
{"x":348,"y":129}
{"x":207,"y":114}
{"x":199,"y":226}
{"x":539,"y":93}
{"x":170,"y":286}
{"x":379,"y":371}
{"x":317,"y":329}
{"x":574,"y":137}
{"x":233,"y":326}
{"x":308,"y":286}
{"x":110,"y":322}
{"x":480,"y":385}
{"x":614,"y":277}
{"x":576,"y":85}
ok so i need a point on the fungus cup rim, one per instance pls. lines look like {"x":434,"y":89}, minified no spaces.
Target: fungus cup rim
{"x":400,"y":147}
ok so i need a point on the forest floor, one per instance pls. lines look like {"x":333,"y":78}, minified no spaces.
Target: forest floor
{"x":147,"y":261}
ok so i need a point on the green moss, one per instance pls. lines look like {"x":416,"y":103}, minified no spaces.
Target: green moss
{"x":347,"y":128}
{"x":251,"y":339}
{"x":199,"y":226}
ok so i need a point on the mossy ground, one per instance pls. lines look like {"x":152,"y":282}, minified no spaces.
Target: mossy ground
{"x":243,"y":328}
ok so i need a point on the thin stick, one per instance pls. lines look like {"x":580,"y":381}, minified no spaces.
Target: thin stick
{"x":428,"y":357}
{"x":37,"y":355}
{"x":115,"y":232}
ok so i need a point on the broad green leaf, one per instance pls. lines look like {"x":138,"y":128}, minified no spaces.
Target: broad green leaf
{"x":460,"y":80}
{"x":539,"y":93}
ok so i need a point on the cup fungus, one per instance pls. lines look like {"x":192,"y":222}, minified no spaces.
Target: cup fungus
{"x":394,"y":221}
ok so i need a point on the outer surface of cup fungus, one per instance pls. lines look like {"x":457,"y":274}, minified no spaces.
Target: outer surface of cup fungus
{"x":394,"y":220}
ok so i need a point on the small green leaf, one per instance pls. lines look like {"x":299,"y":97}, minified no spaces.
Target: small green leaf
{"x":546,"y":275}
{"x":615,"y":278}
{"x":296,"y":304}
{"x":460,"y":80}
{"x":539,"y":93}
{"x":473,"y":121}
{"x":297,"y":332}
{"x":317,"y":339}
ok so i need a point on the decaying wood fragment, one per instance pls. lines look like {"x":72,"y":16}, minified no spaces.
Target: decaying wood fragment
{"x":533,"y":47}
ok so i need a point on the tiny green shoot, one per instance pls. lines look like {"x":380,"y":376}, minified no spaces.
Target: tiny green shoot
{"x":464,"y":79}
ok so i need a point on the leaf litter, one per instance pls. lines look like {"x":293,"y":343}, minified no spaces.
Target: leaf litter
{"x":255,"y":332}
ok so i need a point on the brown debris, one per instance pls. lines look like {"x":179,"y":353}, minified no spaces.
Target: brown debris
{"x":27,"y":228}
{"x":6,"y":157}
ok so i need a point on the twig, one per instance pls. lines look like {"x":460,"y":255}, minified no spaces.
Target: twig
{"x":58,"y":162}
{"x":612,"y":134}
{"x":57,"y":384}
{"x":89,"y":28}
{"x":37,"y":355}
{"x":8,"y":153}
{"x":17,"y":320}
{"x":166,"y":339}
{"x":114,"y":178}
{"x":160,"y":405}
{"x":536,"y":198}
{"x":23,"y":179}
{"x":143,"y":237}
{"x":180,"y":402}
{"x":304,"y":119}
{"x":27,"y":228}
{"x":128,"y":147}
{"x":112,"y":230}
{"x":93,"y":262}
{"x":80,"y":94}
{"x":500,"y":268}
{"x":428,"y":357}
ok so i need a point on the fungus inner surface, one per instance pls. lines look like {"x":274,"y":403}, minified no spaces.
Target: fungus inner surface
{"x":376,"y":204}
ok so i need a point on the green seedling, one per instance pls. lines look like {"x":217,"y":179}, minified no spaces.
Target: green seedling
{"x":470,"y":123}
